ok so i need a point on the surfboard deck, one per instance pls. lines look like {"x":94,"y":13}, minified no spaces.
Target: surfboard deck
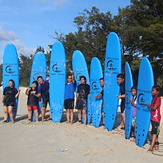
{"x":11,"y":70}
{"x":80,"y":69}
{"x":128,"y":105}
{"x":57,"y":81}
{"x":95,"y":89}
{"x":38,"y":69}
{"x":144,"y":96}
{"x":111,"y":87}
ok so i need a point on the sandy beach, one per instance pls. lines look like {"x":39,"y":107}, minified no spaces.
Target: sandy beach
{"x":41,"y":142}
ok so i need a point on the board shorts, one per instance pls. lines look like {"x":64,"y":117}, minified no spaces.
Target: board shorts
{"x":69,"y":104}
{"x":45,"y":102}
{"x":81,"y":104}
{"x":123,"y":106}
{"x":32,"y":108}
{"x":9,"y":104}
{"x":133,"y":121}
{"x":155,"y":127}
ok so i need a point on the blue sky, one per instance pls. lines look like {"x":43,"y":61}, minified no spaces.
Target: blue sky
{"x":31,"y":23}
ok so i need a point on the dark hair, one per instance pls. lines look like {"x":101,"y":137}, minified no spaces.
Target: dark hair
{"x":133,"y":88}
{"x":120,"y":76}
{"x":35,"y":83}
{"x":83,"y":77}
{"x":68,"y":75}
{"x":156,"y":87}
{"x":12,"y":82}
{"x":101,"y":78}
{"x":39,"y":77}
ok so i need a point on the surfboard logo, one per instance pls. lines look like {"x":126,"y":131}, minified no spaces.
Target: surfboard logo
{"x":35,"y":76}
{"x":56,"y":68}
{"x":78,"y":76}
{"x":94,"y":86}
{"x":9,"y":69}
{"x":141,"y":99}
{"x":110,"y":65}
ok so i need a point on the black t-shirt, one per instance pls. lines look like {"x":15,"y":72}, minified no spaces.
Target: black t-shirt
{"x":102,"y":92}
{"x":122,"y":89}
{"x":9,"y":94}
{"x":83,"y":90}
{"x":32,"y":99}
{"x":44,"y":89}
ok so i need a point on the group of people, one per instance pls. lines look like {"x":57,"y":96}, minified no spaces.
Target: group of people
{"x":40,"y":91}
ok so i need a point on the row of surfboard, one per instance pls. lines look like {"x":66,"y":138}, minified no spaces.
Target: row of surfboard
{"x":111,"y":69}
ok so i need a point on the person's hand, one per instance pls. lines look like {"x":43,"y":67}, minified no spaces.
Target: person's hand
{"x":2,"y":83}
{"x":19,"y":90}
{"x":95,"y":97}
{"x":71,"y":71}
{"x":148,"y":105}
{"x":28,"y":88}
{"x":33,"y":92}
{"x":118,"y":96}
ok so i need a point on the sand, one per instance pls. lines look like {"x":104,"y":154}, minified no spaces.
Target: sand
{"x":41,"y":142}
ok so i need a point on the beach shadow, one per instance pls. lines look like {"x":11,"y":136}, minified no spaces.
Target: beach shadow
{"x":117,"y":121}
{"x":1,"y":118}
{"x":19,"y":118}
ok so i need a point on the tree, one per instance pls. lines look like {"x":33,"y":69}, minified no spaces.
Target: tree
{"x":25,"y":64}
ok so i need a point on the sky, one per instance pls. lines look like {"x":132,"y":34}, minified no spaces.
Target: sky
{"x":32,"y":23}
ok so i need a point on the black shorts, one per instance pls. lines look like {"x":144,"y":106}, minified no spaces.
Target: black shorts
{"x":45,"y":102}
{"x":69,"y":104}
{"x":9,"y":104}
{"x":155,"y":127}
{"x":81,"y":104}
{"x":122,"y":105}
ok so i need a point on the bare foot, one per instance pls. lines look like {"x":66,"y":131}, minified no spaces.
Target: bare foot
{"x":150,"y":149}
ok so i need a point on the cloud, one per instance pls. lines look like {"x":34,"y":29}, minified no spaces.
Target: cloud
{"x":11,"y":37}
{"x":54,"y":2}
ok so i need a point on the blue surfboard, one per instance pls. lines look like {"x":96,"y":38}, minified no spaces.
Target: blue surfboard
{"x":95,"y":89}
{"x":144,"y":96}
{"x":11,"y":70}
{"x":57,"y":81}
{"x":128,"y":105}
{"x":111,"y":88}
{"x":80,"y":69}
{"x":38,"y":69}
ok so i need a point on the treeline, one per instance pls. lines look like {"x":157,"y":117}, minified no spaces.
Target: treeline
{"x":139,"y":26}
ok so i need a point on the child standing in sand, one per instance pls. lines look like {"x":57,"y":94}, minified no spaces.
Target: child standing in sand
{"x":69,"y":97}
{"x":101,"y":95}
{"x":121,"y":82}
{"x":133,"y":102}
{"x":155,"y":117}
{"x":83,"y":92}
{"x":32,"y":102}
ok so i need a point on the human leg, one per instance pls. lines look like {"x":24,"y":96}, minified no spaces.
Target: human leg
{"x":10,"y":108}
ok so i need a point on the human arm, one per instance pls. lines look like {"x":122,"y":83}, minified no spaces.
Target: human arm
{"x":1,"y":84}
{"x":3,"y":98}
{"x":121,"y":96}
{"x":99,"y":95}
{"x":27,"y":91}
{"x":132,"y":102}
{"x":156,"y":105}
{"x":18,"y":93}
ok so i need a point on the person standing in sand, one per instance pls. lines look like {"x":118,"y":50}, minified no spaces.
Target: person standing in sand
{"x":155,"y":117}
{"x":33,"y":101}
{"x":83,"y":92}
{"x":43,"y":88}
{"x":133,"y":102}
{"x":121,"y":82}
{"x":69,"y":97}
{"x":10,"y":94}
{"x":101,"y":95}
